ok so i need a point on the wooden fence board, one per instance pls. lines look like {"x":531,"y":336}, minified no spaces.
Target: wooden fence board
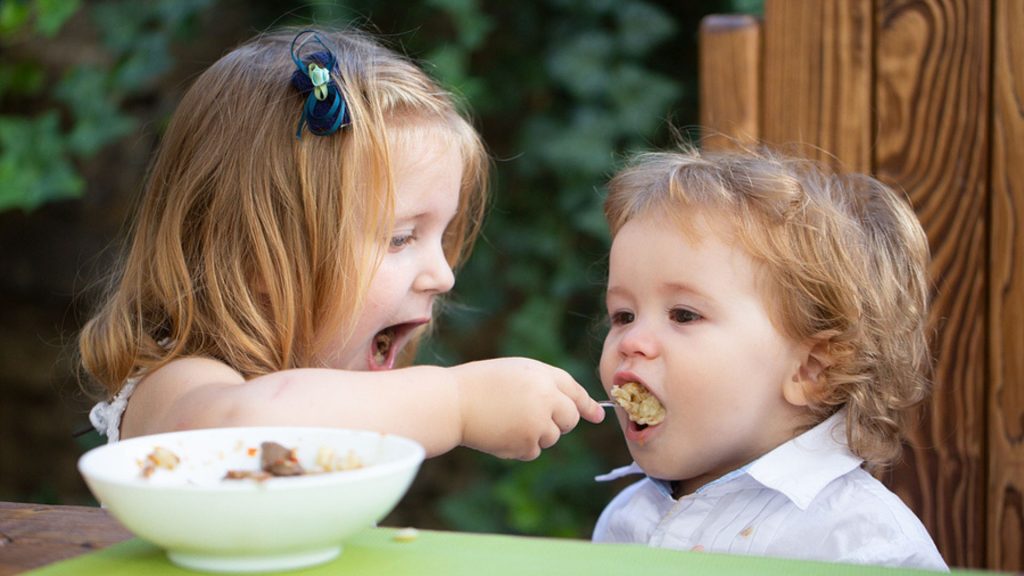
{"x":817,"y":78}
{"x":932,"y":89}
{"x":1005,"y":534}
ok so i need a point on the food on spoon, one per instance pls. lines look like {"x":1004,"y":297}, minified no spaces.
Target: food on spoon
{"x":641,"y":406}
{"x":160,"y":457}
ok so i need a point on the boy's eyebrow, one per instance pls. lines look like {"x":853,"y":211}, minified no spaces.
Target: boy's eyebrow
{"x":684,"y":287}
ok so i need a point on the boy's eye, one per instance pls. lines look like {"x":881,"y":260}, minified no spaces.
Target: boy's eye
{"x":683,"y":316}
{"x":621,"y":317}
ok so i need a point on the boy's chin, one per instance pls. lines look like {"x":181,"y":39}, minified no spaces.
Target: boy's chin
{"x":654,"y":466}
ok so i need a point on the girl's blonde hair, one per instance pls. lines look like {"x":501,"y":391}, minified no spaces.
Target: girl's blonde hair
{"x":249,"y":240}
{"x":843,"y":259}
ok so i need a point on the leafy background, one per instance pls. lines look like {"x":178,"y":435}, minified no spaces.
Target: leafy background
{"x":561,"y":90}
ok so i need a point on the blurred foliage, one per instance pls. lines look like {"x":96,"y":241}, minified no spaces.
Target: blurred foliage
{"x":561,"y":90}
{"x":67,"y":107}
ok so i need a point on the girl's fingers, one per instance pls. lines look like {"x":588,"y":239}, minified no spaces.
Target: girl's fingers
{"x":566,"y":416}
{"x":586,"y":406}
{"x":550,"y":436}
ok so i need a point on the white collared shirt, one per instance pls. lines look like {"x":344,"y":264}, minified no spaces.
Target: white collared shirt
{"x":809,"y":498}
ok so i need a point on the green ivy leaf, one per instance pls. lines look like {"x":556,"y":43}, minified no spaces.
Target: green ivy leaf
{"x":534,"y":329}
{"x":98,"y":118}
{"x":14,"y":15}
{"x":34,"y":167}
{"x":23,"y":78}
{"x":52,"y":14}
{"x":642,"y":26}
{"x":581,"y":62}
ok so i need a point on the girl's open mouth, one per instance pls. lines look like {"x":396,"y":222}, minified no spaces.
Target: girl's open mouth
{"x":388,"y":343}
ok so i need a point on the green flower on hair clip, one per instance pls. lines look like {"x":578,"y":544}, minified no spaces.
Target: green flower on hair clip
{"x":320,"y":78}
{"x":316,"y":76}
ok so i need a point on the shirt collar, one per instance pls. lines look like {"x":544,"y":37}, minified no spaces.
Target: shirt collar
{"x":619,"y":472}
{"x":799,"y":469}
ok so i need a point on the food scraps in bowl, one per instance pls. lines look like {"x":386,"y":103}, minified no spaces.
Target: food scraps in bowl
{"x":640,"y":405}
{"x":275,"y":461}
{"x":160,"y":457}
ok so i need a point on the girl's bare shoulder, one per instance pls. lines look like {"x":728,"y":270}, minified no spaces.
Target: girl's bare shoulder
{"x":153,"y":402}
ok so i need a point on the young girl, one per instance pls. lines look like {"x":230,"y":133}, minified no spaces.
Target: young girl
{"x":773,"y":315}
{"x":310,"y":199}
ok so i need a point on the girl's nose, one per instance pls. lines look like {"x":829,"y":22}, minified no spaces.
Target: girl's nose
{"x":638,"y":340}
{"x":436,"y":276}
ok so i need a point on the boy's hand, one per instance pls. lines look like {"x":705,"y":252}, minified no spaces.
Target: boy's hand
{"x":515,"y":407}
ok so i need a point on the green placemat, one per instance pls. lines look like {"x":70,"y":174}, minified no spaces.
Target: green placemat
{"x":376,"y":552}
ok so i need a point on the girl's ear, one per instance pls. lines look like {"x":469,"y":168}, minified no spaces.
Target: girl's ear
{"x":808,"y":380}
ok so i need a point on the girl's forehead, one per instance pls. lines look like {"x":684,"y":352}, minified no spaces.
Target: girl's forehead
{"x":427,"y":178}
{"x":424,"y":134}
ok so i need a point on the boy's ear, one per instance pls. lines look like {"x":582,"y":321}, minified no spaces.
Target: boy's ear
{"x":808,"y":381}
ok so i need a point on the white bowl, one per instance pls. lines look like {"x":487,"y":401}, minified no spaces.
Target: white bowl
{"x":207,"y":523}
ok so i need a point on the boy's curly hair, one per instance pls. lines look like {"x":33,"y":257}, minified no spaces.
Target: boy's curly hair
{"x":843,"y":260}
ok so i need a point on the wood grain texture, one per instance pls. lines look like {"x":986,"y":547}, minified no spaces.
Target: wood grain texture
{"x":1006,"y":294}
{"x":730,"y":80}
{"x":34,"y":535}
{"x":817,"y":79}
{"x":932,"y":94}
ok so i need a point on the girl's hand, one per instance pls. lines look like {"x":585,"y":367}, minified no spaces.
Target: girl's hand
{"x":515,"y":407}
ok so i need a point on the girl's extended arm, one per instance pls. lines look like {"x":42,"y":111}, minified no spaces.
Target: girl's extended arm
{"x":509,"y":407}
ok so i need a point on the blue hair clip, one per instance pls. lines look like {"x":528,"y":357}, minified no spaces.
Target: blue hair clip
{"x":325,"y":110}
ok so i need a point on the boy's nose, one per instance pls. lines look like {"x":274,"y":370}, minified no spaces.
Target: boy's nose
{"x":638,"y":340}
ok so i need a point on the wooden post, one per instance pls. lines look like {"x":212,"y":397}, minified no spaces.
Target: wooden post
{"x":730,"y":79}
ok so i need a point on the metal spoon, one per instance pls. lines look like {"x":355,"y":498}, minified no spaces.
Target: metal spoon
{"x":608,"y":404}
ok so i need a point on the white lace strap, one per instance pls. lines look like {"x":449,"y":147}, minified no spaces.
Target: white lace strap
{"x":106,"y":416}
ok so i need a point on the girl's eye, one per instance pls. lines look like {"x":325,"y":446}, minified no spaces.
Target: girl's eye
{"x":399,"y":242}
{"x":683,"y":316}
{"x":621,"y":318}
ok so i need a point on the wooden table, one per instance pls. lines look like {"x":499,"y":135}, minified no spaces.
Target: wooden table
{"x":34,"y":535}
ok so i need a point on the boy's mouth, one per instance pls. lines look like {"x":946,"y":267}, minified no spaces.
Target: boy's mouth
{"x":643,"y":408}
